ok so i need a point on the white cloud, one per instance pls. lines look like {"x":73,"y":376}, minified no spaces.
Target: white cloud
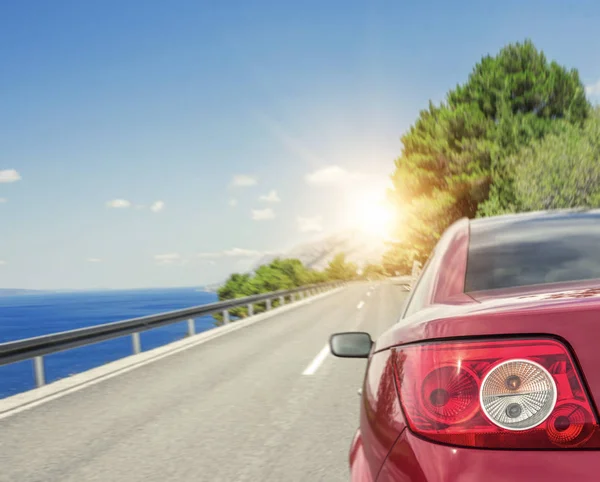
{"x":231,"y":253}
{"x":243,"y":180}
{"x":3,"y":200}
{"x":241,"y":253}
{"x":593,"y":89}
{"x":157,"y":206}
{"x":139,"y":206}
{"x":94,"y":260}
{"x":9,"y":175}
{"x":168,"y":258}
{"x":118,"y":203}
{"x":2,"y":262}
{"x":310,"y":224}
{"x":262,"y":214}
{"x":331,"y":175}
{"x":272,"y":197}
{"x":233,"y":202}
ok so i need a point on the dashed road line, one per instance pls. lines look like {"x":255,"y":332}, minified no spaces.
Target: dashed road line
{"x":316,"y":363}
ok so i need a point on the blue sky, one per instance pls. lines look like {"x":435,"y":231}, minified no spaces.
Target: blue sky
{"x":184,"y":106}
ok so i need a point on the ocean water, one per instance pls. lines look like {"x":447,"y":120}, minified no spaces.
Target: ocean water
{"x":25,"y":316}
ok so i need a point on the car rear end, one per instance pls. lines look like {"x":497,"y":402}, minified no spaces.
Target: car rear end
{"x":502,"y":386}
{"x":513,"y":400}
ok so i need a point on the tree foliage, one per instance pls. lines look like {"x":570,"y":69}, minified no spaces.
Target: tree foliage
{"x":372,"y":272}
{"x":457,"y":156}
{"x":397,"y":259}
{"x":280,"y":274}
{"x":340,"y":270}
{"x":562,"y":170}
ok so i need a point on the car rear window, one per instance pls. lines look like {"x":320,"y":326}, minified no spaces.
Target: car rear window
{"x":517,"y":251}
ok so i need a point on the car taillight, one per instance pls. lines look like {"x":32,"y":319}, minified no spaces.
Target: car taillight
{"x":496,"y":394}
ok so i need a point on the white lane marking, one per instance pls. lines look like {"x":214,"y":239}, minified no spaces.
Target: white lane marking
{"x":368,"y":293}
{"x":360,"y":305}
{"x":316,"y":363}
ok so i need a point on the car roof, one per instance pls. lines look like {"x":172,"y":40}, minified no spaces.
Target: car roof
{"x":502,"y":221}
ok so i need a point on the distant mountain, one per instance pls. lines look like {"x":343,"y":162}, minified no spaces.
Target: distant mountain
{"x":359,"y":248}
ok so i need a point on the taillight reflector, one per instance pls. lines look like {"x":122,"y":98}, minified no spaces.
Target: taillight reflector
{"x":496,"y":394}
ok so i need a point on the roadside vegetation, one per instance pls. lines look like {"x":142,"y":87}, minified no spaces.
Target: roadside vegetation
{"x":518,"y":135}
{"x":281,"y":274}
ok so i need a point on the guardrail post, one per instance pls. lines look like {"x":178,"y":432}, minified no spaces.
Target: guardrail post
{"x":225,"y":317}
{"x":135,"y":341}
{"x":191,"y":331}
{"x":268,"y":303}
{"x":281,"y":300}
{"x":38,"y":370}
{"x":250,"y":309}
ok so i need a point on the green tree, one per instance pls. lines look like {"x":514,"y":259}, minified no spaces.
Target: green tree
{"x":562,"y":170}
{"x":456,"y":156}
{"x":373,"y":271}
{"x":294,"y":270}
{"x":280,"y":274}
{"x":398,"y":259}
{"x":234,"y":287}
{"x":237,"y":286}
{"x":340,"y":269}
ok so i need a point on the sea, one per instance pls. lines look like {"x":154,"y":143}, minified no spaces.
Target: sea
{"x":29,"y":315}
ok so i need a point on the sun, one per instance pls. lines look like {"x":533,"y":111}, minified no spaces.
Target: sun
{"x":372,"y":214}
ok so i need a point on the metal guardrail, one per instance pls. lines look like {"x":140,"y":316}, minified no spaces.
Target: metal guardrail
{"x":406,"y":282}
{"x":35,"y":348}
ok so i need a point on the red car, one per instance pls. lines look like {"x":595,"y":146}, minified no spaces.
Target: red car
{"x":492,"y":373}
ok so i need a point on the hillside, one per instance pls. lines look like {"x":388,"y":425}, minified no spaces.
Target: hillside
{"x":358,"y":247}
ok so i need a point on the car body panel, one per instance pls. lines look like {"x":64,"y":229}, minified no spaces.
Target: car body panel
{"x":381,"y":417}
{"x":571,"y":315}
{"x":416,"y":460}
{"x":451,"y":265}
{"x":360,"y":470}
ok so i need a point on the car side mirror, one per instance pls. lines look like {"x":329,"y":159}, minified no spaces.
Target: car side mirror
{"x":352,"y":344}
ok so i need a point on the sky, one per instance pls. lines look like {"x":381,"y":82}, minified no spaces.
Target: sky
{"x":153,"y":143}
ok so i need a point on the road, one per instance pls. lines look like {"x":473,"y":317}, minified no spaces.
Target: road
{"x":259,"y":404}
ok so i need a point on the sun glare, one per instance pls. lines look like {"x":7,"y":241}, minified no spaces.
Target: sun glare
{"x":373,"y":215}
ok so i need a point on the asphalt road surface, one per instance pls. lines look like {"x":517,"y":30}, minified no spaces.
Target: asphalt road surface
{"x":264,"y":403}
